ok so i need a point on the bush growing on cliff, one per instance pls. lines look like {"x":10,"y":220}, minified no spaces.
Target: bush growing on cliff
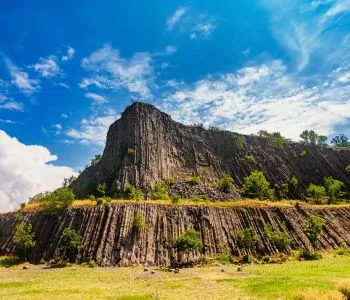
{"x":279,"y":239}
{"x":246,"y":239}
{"x":175,"y":198}
{"x":133,"y":193}
{"x":139,"y":222}
{"x":249,"y":158}
{"x":194,"y":180}
{"x":314,"y":229}
{"x":159,"y":192}
{"x":256,"y":186}
{"x":190,"y":240}
{"x":55,"y":202}
{"x":316,"y":192}
{"x":225,"y":183}
{"x":347,"y":169}
{"x":71,"y":241}
{"x":333,"y":188}
{"x":169,"y":181}
{"x":294,"y":181}
{"x":24,"y":237}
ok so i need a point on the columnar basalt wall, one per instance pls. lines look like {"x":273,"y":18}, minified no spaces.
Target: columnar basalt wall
{"x":110,"y":237}
{"x":145,"y":146}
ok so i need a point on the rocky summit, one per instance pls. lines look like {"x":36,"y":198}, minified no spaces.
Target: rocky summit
{"x":145,"y":146}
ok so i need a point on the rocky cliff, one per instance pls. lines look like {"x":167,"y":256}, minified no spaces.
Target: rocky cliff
{"x":110,"y":238}
{"x":145,"y":146}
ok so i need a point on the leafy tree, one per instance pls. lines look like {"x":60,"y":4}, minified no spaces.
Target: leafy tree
{"x":101,"y":189}
{"x":133,"y":193}
{"x":68,"y":181}
{"x":340,"y":141}
{"x":316,"y":192}
{"x":284,"y":190}
{"x":24,"y":237}
{"x":309,"y":137}
{"x":279,"y":239}
{"x":55,"y":202}
{"x":250,"y":159}
{"x":139,"y":222}
{"x":95,"y":160}
{"x":321,"y":140}
{"x":159,"y":192}
{"x":347,"y":169}
{"x":256,"y":186}
{"x":246,"y":239}
{"x":225,"y":183}
{"x":333,"y":188}
{"x":190,"y":240}
{"x":314,"y":229}
{"x":71,"y":241}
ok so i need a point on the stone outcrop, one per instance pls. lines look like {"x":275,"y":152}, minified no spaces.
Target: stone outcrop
{"x":145,"y":146}
{"x":110,"y":238}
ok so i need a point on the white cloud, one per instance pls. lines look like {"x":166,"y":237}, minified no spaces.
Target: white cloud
{"x":203,"y":29}
{"x":10,"y":104}
{"x":344,"y":78}
{"x":48,"y":67}
{"x":96,"y":98}
{"x":64,"y":85}
{"x":111,"y":71}
{"x":25,"y":170}
{"x":6,"y":121}
{"x":21,"y":79}
{"x":262,"y":97}
{"x":69,"y":55}
{"x":65,"y":116}
{"x":170,"y":49}
{"x":57,"y":126}
{"x":175,"y":17}
{"x":93,"y":130}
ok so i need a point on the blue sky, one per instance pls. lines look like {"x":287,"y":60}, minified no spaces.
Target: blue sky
{"x":68,"y":69}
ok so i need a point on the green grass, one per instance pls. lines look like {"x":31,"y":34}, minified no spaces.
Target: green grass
{"x":273,"y":281}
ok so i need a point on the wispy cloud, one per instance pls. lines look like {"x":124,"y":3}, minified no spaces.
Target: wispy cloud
{"x":9,"y":103}
{"x":48,"y":67}
{"x":98,"y":99}
{"x":110,"y":71}
{"x":93,"y":130}
{"x":69,"y":55}
{"x":6,"y":121}
{"x":175,"y":17}
{"x":259,"y":97}
{"x":21,"y":79}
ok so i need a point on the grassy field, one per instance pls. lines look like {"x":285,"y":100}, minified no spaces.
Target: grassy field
{"x":292,"y":280}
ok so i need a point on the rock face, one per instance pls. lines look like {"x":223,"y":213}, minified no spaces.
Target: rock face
{"x":146,"y":146}
{"x":110,"y":237}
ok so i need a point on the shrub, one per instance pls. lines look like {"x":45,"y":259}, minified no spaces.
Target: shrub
{"x":133,"y":193}
{"x":139,"y":222}
{"x":100,"y":201}
{"x":316,"y":192}
{"x":249,"y":158}
{"x":92,"y":264}
{"x":190,"y":240}
{"x":314,"y":229}
{"x":38,"y":197}
{"x":307,"y":255}
{"x":224,"y":258}
{"x":194,"y":180}
{"x":131,"y":151}
{"x":246,"y":239}
{"x":55,"y":202}
{"x":101,"y":189}
{"x":238,"y":141}
{"x":92,"y":197}
{"x":175,"y":198}
{"x":294,"y":181}
{"x":279,"y":239}
{"x":283,"y":192}
{"x":303,"y":153}
{"x":333,"y":188}
{"x":347,"y":169}
{"x":345,"y":290}
{"x":23,"y":205}
{"x":257,"y":186}
{"x":169,"y":181}
{"x":24,"y":238}
{"x":225,"y":183}
{"x":71,"y":241}
{"x":159,"y":192}
{"x":8,"y":261}
{"x":195,"y":198}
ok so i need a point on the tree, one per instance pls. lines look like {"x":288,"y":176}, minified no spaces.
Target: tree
{"x":190,"y":240}
{"x":311,"y":137}
{"x":160,"y":192}
{"x":225,"y":183}
{"x":101,"y":189}
{"x":279,"y":239}
{"x":96,"y":159}
{"x":314,"y":229}
{"x":321,"y":140}
{"x":55,"y":202}
{"x":71,"y":241}
{"x":246,"y":239}
{"x":333,"y":188}
{"x":316,"y":192}
{"x":68,"y":181}
{"x":257,"y":186}
{"x":133,"y":193}
{"x":24,"y":237}
{"x":340,"y":141}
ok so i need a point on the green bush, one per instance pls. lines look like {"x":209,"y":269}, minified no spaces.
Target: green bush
{"x":294,"y":181}
{"x":169,"y":181}
{"x":314,"y":229}
{"x":246,"y":239}
{"x":279,"y":239}
{"x":303,"y":153}
{"x":257,"y":186}
{"x":238,"y":141}
{"x":347,"y":169}
{"x":190,"y":240}
{"x":92,"y":197}
{"x":225,"y":183}
{"x":23,"y":205}
{"x":159,"y":192}
{"x":100,"y":201}
{"x":131,"y":151}
{"x":333,"y":188}
{"x":24,"y":238}
{"x":316,"y":192}
{"x":92,"y":264}
{"x":307,"y":255}
{"x":249,"y":158}
{"x":224,"y":258}
{"x":345,"y":290}
{"x":175,"y":198}
{"x":101,"y":189}
{"x":196,"y":198}
{"x":284,"y":190}
{"x":8,"y":261}
{"x":194,"y":180}
{"x":139,"y":222}
{"x":133,"y":193}
{"x":55,"y":202}
{"x":71,"y":241}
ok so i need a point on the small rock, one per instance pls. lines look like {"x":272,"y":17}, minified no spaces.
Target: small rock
{"x":222,"y":270}
{"x":153,"y":272}
{"x":176,"y":271}
{"x":145,"y":269}
{"x":7,"y":266}
{"x":240,"y":269}
{"x":25,"y":267}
